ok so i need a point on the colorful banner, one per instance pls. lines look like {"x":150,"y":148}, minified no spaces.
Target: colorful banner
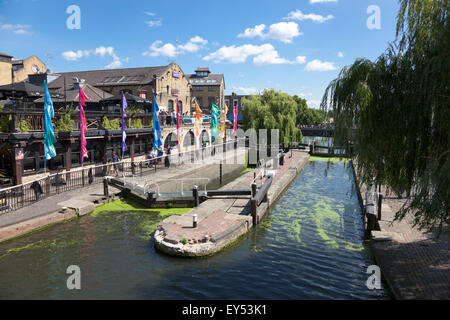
{"x":235,"y":114}
{"x":49,"y":134}
{"x":215,"y":114}
{"x":83,"y":128}
{"x":198,"y":118}
{"x":124,"y":126}
{"x":225,"y":121}
{"x":157,"y":134}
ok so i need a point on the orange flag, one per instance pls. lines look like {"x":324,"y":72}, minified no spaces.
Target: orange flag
{"x":198,"y":116}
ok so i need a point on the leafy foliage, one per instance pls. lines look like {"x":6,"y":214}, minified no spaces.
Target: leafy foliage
{"x":308,"y":116}
{"x":272,"y":110}
{"x":24,"y":126}
{"x":399,"y":105}
{"x":65,"y":123}
{"x":5,"y":123}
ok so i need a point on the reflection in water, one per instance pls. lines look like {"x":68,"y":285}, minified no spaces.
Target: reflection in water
{"x":309,"y":247}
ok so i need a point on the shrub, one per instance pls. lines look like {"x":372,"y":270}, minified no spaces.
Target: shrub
{"x":24,"y":126}
{"x":65,"y":123}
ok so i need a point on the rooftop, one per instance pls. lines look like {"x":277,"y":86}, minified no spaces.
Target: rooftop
{"x":210,"y":80}
{"x":110,"y":77}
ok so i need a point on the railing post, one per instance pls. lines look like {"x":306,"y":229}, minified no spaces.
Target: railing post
{"x":57,"y":182}
{"x":254,"y":208}
{"x":380,"y":203}
{"x":105,"y":188}
{"x":196,"y":198}
{"x":47,"y":186}
{"x":220,"y":172}
{"x":253,"y":189}
{"x":82,"y":177}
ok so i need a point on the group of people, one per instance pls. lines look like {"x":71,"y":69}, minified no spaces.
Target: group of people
{"x":156,"y":157}
{"x":170,"y":118}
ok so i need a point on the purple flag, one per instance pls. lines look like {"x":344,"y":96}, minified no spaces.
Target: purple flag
{"x":124,"y":126}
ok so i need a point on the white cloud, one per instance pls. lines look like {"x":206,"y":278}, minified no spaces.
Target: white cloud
{"x":169,"y":50}
{"x":114,"y":64}
{"x":321,"y":1}
{"x":257,"y":31}
{"x":100,"y":51}
{"x":317,"y":65}
{"x":283,"y":31}
{"x":300,"y":59}
{"x":340,"y":54}
{"x":298,"y":15}
{"x":301,"y":94}
{"x":15,"y":28}
{"x":154,"y":23}
{"x":245,"y":91}
{"x":75,"y":55}
{"x":156,"y":50}
{"x":263,"y":55}
{"x":149,"y":13}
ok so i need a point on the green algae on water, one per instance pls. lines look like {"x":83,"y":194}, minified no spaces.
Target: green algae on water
{"x":328,"y":159}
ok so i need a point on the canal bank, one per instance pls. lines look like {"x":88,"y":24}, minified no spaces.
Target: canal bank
{"x":414,"y":263}
{"x":220,"y":222}
{"x":79,"y":202}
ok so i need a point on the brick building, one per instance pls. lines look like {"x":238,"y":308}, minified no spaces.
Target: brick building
{"x":167,"y":82}
{"x":232,"y":101}
{"x":18,"y":70}
{"x":207,"y":88}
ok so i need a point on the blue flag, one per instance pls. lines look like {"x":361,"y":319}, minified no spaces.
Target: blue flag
{"x":157,"y":135}
{"x":124,"y":126}
{"x":49,"y":134}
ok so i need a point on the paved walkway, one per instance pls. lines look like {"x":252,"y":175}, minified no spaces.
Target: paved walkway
{"x":94,"y":193}
{"x":415,"y":264}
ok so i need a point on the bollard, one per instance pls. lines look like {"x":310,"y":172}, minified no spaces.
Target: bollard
{"x":196,"y":198}
{"x":380,"y":203}
{"x":253,"y":190}
{"x":254,"y":208}
{"x":194,"y":220}
{"x":105,"y":188}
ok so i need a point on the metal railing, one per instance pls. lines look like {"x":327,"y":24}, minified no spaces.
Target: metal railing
{"x":17,"y":197}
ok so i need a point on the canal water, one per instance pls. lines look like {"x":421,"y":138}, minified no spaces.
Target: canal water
{"x":309,"y":247}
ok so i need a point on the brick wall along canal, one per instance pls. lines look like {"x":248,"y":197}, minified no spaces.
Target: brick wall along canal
{"x":308,"y":247}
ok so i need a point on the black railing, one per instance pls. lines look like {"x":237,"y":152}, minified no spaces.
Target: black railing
{"x":17,"y":197}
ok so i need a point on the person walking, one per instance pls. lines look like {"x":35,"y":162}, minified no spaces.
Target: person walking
{"x":167,"y":159}
{"x":115,"y":158}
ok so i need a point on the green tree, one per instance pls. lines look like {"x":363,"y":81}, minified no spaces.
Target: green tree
{"x":272,"y":110}
{"x":399,"y":105}
{"x":306,"y":115}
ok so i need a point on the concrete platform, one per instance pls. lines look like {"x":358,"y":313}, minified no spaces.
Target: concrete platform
{"x":221,"y":221}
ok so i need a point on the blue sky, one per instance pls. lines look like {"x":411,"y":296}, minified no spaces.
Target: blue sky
{"x":297,"y":46}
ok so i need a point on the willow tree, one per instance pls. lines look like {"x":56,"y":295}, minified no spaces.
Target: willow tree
{"x":272,"y":110}
{"x":399,"y":109}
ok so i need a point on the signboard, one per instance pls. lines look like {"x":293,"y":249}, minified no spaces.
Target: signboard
{"x":175,"y":75}
{"x":19,"y":154}
{"x":174,"y":91}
